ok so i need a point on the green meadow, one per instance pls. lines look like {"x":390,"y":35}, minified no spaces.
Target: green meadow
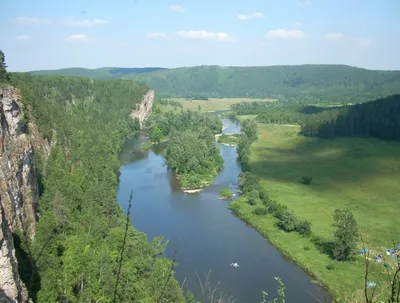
{"x":362,"y":174}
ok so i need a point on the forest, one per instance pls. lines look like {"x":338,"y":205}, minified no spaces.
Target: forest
{"x":191,"y":150}
{"x":378,"y":118}
{"x":76,"y":254}
{"x":302,"y":83}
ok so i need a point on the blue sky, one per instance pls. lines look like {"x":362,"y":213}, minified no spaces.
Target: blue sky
{"x":50,"y":34}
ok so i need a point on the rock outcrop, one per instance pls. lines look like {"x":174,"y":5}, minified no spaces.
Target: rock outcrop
{"x":19,"y":195}
{"x":143,"y":109}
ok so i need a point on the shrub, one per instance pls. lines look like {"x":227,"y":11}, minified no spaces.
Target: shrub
{"x":306,"y":248}
{"x":280,"y":211}
{"x":253,"y":197}
{"x":260,"y":211}
{"x":330,"y":267}
{"x":304,"y":228}
{"x":225,"y":193}
{"x":306,"y":180}
{"x":288,"y":222}
{"x":263,"y":194}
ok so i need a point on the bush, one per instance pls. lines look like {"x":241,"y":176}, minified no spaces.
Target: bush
{"x":330,"y":267}
{"x":225,"y":193}
{"x":306,"y":248}
{"x":260,"y":211}
{"x":280,"y":211}
{"x":253,"y":197}
{"x":289,"y":221}
{"x":306,"y":180}
{"x":304,"y":228}
{"x":263,"y":194}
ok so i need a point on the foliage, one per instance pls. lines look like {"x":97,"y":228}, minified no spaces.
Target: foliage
{"x":229,"y":139}
{"x":225,"y":193}
{"x":156,"y":135}
{"x":261,"y":211}
{"x":379,"y":118}
{"x":346,"y":234}
{"x":191,"y":149}
{"x":248,"y":136}
{"x":4,"y":75}
{"x":311,"y":83}
{"x":77,"y":246}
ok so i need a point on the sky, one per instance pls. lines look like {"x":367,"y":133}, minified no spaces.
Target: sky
{"x":52,"y":34}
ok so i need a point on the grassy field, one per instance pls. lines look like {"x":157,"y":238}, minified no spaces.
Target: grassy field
{"x":360,"y":174}
{"x":213,"y":104}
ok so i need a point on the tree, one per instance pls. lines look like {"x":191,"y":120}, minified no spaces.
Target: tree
{"x":156,"y":135}
{"x":346,"y":234}
{"x":4,"y":76}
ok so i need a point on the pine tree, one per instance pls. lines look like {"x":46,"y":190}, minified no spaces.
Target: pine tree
{"x":4,"y":76}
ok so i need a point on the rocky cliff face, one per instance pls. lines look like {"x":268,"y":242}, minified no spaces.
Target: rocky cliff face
{"x":19,"y":195}
{"x":143,"y":110}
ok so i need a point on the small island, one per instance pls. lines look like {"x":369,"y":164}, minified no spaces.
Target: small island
{"x":230,"y":140}
{"x":225,"y":193}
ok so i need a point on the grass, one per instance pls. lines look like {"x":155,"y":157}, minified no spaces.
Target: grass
{"x":214,"y":104}
{"x":357,"y":173}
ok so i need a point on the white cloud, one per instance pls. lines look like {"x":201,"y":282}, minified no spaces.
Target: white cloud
{"x":205,"y":35}
{"x":77,"y":38}
{"x":245,"y":17}
{"x":84,"y":22}
{"x":31,"y":20}
{"x":334,"y":36}
{"x":304,"y":3}
{"x":295,"y":34}
{"x":23,"y":38}
{"x":156,"y":35}
{"x":297,"y":24}
{"x":177,"y":8}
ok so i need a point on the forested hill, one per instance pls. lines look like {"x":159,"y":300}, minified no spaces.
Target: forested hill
{"x":77,"y":249}
{"x":313,"y":83}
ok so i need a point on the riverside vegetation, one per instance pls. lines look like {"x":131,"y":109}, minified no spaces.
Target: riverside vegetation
{"x":191,"y":151}
{"x":311,"y":187}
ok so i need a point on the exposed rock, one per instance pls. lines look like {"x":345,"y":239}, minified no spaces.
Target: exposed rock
{"x":19,"y":195}
{"x":143,"y":110}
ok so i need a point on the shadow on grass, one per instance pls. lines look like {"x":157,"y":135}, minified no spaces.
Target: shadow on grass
{"x":324,"y":246}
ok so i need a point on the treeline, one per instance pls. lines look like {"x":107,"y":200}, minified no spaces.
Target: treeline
{"x":303,"y":83}
{"x":172,"y":103}
{"x":379,"y":118}
{"x":191,"y":149}
{"x":247,"y":136}
{"x":76,"y":252}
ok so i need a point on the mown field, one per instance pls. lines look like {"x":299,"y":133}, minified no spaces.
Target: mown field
{"x":213,"y":104}
{"x":356,"y":173}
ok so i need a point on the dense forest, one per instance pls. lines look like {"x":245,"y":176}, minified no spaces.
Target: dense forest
{"x":379,"y":118}
{"x":191,"y":149}
{"x":304,"y":83}
{"x":76,"y":252}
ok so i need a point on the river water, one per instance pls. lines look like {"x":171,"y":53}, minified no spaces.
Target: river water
{"x":210,"y":236}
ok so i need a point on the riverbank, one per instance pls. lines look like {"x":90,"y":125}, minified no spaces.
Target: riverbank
{"x":352,"y":173}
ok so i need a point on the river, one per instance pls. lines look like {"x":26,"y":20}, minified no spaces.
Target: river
{"x":210,"y":236}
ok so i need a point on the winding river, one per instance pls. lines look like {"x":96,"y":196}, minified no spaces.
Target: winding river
{"x":210,"y":236}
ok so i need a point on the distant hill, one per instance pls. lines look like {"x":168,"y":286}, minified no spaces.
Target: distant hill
{"x":98,"y":73}
{"x":307,"y":83}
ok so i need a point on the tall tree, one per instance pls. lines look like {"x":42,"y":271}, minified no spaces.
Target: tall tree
{"x":4,"y":76}
{"x":346,"y":234}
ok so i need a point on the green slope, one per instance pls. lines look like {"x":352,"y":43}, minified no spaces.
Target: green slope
{"x":312,"y":83}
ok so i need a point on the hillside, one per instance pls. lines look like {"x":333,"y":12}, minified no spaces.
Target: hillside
{"x":77,"y":127}
{"x":309,"y":83}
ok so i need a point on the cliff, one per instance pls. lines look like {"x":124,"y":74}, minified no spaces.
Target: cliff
{"x":19,"y":195}
{"x":143,"y":109}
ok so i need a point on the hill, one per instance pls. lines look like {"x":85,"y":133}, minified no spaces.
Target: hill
{"x":307,"y":83}
{"x":98,"y":73}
